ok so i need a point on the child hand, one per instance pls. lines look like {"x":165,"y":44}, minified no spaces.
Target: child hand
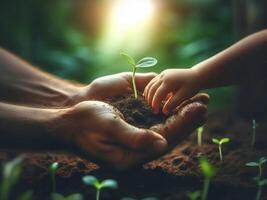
{"x":172,"y":86}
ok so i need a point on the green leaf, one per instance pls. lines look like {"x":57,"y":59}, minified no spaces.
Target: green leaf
{"x":129,"y":59}
{"x":90,"y":180}
{"x":262,"y":182}
{"x":109,"y":183}
{"x":74,"y":197}
{"x":207,"y":169}
{"x":194,"y":195}
{"x":200,"y":130}
{"x":53,"y":167}
{"x":216,"y":141}
{"x":252,"y":164}
{"x":57,"y":196}
{"x":224,"y":140}
{"x":26,"y":196}
{"x":262,"y":160}
{"x":147,"y":62}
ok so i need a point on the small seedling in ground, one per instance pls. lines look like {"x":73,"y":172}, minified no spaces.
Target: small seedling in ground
{"x":260,"y":184}
{"x":194,"y":195}
{"x":56,"y":196}
{"x":258,"y":164}
{"x":199,"y":135}
{"x":143,"y":63}
{"x":53,"y":169}
{"x":254,"y":127}
{"x":94,"y":182}
{"x":209,"y":171}
{"x":10,"y":176}
{"x":219,"y":143}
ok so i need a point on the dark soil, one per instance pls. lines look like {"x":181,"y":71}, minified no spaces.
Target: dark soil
{"x":168,"y":178}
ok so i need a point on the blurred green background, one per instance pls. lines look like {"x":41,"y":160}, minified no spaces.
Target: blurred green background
{"x":81,"y":39}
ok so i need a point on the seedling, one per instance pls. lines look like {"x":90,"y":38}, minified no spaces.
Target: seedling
{"x":94,"y":182}
{"x":194,"y":195}
{"x":56,"y":196}
{"x":10,"y":176}
{"x":260,"y":184}
{"x":199,"y":135}
{"x":220,"y":142}
{"x":209,"y":171}
{"x":258,"y":164}
{"x":254,"y":127}
{"x":53,"y":169}
{"x":143,"y":63}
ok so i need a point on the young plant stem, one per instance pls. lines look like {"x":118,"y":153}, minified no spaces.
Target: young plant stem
{"x":258,"y":196}
{"x":205,"y":189}
{"x":97,"y":194}
{"x":199,"y":138}
{"x":133,"y":81}
{"x":53,"y":183}
{"x":220,"y":152}
{"x":253,"y":140}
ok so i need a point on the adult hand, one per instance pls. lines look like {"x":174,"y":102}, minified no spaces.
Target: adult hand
{"x":97,"y":130}
{"x":113,"y":85}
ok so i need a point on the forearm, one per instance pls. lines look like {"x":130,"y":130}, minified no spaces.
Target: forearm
{"x":24,"y":127}
{"x":244,"y":61}
{"x":24,"y":84}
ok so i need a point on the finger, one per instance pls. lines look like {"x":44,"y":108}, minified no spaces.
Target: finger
{"x":159,"y":96}
{"x":152,"y":91}
{"x":148,"y":87}
{"x":175,"y":100}
{"x":201,"y":97}
{"x":180,"y":125}
{"x":142,"y":79}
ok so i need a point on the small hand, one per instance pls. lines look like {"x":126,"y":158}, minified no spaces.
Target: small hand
{"x":172,"y":86}
{"x":97,"y":130}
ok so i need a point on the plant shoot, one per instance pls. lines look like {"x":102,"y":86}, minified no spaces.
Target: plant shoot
{"x":209,"y":171}
{"x":220,"y":143}
{"x":10,"y":176}
{"x":143,"y":63}
{"x":53,"y":169}
{"x":194,"y":195}
{"x":199,"y":135}
{"x":254,"y":127}
{"x":259,"y":165}
{"x":94,"y":182}
{"x":260,"y":184}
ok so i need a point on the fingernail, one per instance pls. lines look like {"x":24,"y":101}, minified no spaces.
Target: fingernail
{"x":160,"y":146}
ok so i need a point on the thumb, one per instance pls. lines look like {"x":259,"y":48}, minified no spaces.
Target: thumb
{"x":143,"y":140}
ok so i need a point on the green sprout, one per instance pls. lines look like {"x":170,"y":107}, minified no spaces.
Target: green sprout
{"x":94,"y":182}
{"x":143,"y":63}
{"x":194,"y":195}
{"x":254,"y":127}
{"x":199,"y":135}
{"x":258,"y":164}
{"x":10,"y":176}
{"x":56,"y":196}
{"x":260,"y":184}
{"x":209,"y":171}
{"x":220,"y":142}
{"x":53,"y":169}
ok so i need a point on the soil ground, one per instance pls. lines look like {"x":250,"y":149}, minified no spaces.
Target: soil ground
{"x":169,"y":177}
